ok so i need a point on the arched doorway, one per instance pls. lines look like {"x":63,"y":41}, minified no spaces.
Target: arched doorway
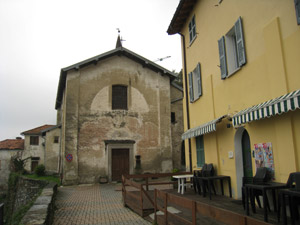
{"x":243,"y":159}
{"x":247,"y":160}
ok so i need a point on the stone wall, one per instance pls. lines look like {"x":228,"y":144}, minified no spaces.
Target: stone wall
{"x":27,"y":190}
{"x":42,"y":211}
{"x":23,"y":191}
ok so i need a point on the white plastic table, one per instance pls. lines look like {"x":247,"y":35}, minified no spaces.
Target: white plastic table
{"x":181,"y":181}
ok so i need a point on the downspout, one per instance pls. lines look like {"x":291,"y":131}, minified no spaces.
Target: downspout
{"x":186,"y":98}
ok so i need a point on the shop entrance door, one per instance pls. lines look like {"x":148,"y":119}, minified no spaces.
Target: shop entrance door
{"x":247,"y":160}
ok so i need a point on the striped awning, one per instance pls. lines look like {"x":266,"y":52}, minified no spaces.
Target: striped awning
{"x":269,"y":108}
{"x":202,"y":129}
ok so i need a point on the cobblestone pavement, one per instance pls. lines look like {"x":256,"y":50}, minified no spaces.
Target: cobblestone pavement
{"x":93,"y":204}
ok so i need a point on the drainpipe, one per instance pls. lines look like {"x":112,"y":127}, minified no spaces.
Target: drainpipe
{"x":186,"y":98}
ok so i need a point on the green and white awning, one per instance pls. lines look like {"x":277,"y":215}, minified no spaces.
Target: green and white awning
{"x":269,"y":108}
{"x":202,"y":129}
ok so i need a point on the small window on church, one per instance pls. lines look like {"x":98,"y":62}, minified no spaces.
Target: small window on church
{"x":56,"y":139}
{"x":173,"y":118}
{"x":119,"y":97}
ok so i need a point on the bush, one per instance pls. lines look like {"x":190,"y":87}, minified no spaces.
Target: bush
{"x":10,"y":197}
{"x":175,"y":170}
{"x":40,"y":170}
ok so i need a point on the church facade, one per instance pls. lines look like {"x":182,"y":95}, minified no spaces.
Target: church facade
{"x":113,"y":109}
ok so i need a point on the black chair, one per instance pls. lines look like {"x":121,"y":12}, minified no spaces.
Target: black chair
{"x":197,"y":181}
{"x":262,"y":176}
{"x":292,"y":182}
{"x":207,"y":171}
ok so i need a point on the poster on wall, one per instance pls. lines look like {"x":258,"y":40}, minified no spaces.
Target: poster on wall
{"x":264,"y":157}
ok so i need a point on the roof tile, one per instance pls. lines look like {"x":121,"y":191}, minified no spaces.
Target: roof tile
{"x":12,"y":144}
{"x":37,"y":130}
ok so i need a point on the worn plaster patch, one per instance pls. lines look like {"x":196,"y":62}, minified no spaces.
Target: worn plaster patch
{"x":100,"y":101}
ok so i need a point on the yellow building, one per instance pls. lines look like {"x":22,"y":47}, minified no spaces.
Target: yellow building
{"x":238,"y":54}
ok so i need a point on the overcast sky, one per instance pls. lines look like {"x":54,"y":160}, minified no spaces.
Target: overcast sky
{"x":39,"y":37}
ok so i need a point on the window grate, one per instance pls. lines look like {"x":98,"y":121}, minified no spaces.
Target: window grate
{"x":119,"y":97}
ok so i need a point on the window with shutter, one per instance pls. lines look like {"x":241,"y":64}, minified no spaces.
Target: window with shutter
{"x":222,"y":54}
{"x":191,"y":90}
{"x":195,"y":85}
{"x":119,"y":97}
{"x":192,"y":29}
{"x":197,"y":74}
{"x":297,"y":7}
{"x":200,"y":151}
{"x":239,"y":38}
{"x":232,"y":50}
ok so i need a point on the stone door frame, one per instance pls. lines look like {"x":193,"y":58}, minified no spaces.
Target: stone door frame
{"x":119,"y":145}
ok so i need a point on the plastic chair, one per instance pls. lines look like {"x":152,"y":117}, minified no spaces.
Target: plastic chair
{"x":262,"y":176}
{"x":207,"y":171}
{"x":197,"y":182}
{"x":292,"y":182}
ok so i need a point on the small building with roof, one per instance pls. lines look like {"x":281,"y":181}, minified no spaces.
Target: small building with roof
{"x":42,"y":145}
{"x":8,"y":149}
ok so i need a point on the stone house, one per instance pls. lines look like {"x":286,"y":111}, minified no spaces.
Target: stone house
{"x":8,"y":149}
{"x":42,"y":145}
{"x":114,"y":108}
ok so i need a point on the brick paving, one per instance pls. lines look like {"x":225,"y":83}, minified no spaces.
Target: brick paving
{"x":93,"y":204}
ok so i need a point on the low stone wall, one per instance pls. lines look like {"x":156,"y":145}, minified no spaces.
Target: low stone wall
{"x":27,"y":190}
{"x":42,"y":211}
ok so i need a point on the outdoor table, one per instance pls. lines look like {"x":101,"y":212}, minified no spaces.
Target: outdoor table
{"x":292,"y":192}
{"x":211,"y":179}
{"x":263,"y":187}
{"x":181,"y":181}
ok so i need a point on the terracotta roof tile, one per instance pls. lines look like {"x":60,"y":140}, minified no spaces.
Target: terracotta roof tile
{"x":12,"y":144}
{"x":37,"y":130}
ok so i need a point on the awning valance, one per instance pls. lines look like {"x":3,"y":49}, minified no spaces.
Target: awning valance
{"x":202,"y":129}
{"x":269,"y":108}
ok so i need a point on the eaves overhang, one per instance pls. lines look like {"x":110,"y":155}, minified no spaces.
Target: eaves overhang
{"x":120,"y":51}
{"x":180,"y":16}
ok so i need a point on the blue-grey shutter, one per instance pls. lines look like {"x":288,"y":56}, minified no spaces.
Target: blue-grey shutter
{"x":191,"y":87}
{"x":200,"y":151}
{"x":222,"y":54}
{"x":240,"y":44}
{"x":297,"y":7}
{"x":198,"y":77}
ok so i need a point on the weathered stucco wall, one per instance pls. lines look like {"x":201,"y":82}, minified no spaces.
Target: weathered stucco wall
{"x":177,"y":127}
{"x":88,"y":120}
{"x":33,"y":151}
{"x":52,"y":151}
{"x":5,"y":159}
